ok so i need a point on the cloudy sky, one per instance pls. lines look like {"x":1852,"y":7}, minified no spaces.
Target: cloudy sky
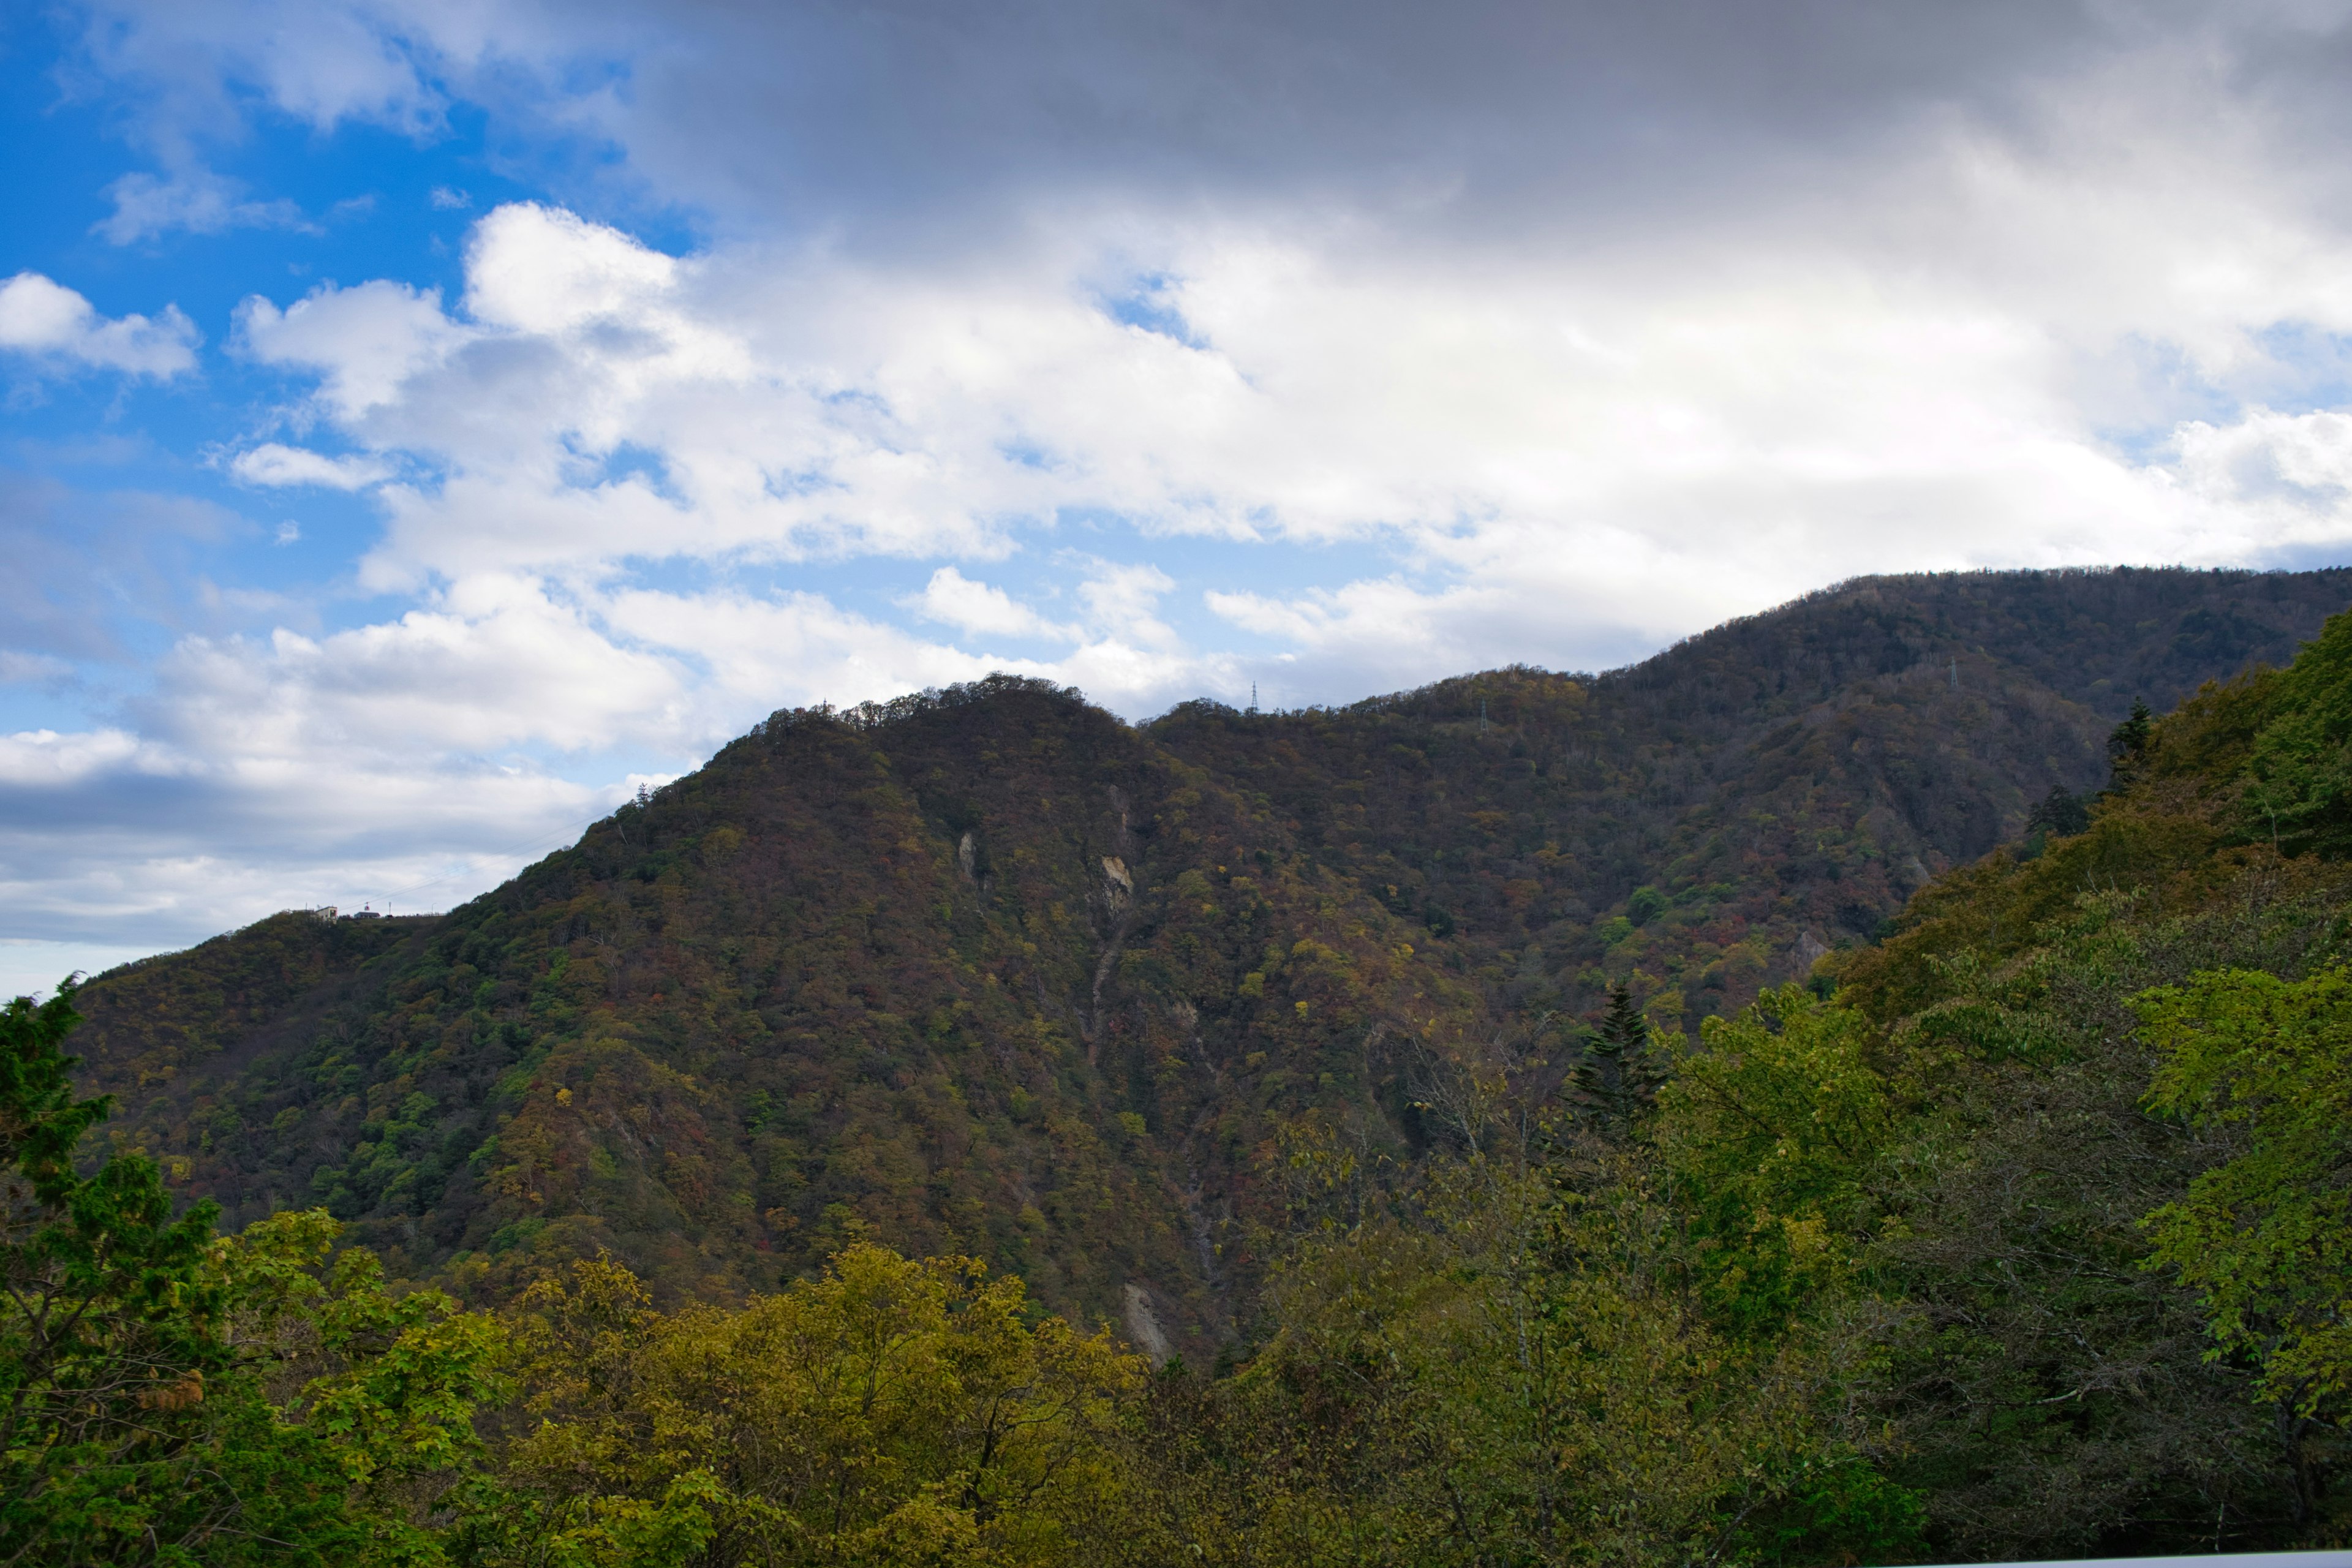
{"x":426,"y":420}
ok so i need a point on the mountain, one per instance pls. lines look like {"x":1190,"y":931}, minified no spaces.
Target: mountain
{"x":987,"y":970}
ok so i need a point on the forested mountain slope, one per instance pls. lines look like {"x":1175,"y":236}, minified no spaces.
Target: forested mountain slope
{"x":2022,"y":1231}
{"x":988,"y":971}
{"x":1779,"y":783}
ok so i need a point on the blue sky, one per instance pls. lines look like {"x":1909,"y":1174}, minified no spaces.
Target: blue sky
{"x":423,"y":425}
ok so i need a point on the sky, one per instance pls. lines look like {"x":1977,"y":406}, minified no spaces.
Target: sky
{"x":423,"y":423}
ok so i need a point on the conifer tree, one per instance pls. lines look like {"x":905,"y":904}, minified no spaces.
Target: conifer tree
{"x":1618,"y":1076}
{"x":2125,"y":742}
{"x":2060,"y":815}
{"x":110,"y":1324}
{"x":143,"y":1361}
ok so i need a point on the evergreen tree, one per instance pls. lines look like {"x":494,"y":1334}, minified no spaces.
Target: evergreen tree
{"x":110,"y":1327}
{"x":2126,"y":745}
{"x":142,"y":1356}
{"x":1619,"y":1075}
{"x":2060,"y":815}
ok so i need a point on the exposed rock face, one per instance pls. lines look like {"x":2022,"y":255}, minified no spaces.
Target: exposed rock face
{"x":1143,"y":1326}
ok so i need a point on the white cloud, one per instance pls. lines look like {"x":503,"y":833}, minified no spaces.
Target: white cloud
{"x":1123,"y":602}
{"x":368,"y":340}
{"x":275,"y":465}
{"x":495,"y":664}
{"x":1567,"y":464}
{"x":324,"y":62}
{"x":1741,"y":431}
{"x":953,"y":599}
{"x":542,"y":270}
{"x":46,"y":320}
{"x":789,"y":649}
{"x":2283,"y":480}
{"x":147,"y":207}
{"x":45,"y":757}
{"x":408,"y":761}
{"x":169,"y":857}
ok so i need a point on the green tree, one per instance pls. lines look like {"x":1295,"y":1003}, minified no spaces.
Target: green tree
{"x":1772,"y":1130}
{"x":2298,"y":787}
{"x":172,"y":1397}
{"x":110,"y":1327}
{"x":2266,"y":1234}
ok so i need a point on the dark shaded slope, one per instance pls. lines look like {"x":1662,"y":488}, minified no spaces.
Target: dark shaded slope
{"x":989,"y":971}
{"x":163,"y":1032}
{"x":1778,"y":784}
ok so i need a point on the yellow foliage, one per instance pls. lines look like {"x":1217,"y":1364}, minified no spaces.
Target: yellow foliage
{"x":892,"y":1412}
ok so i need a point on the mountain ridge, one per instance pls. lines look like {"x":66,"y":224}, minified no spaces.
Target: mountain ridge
{"x":987,"y":970}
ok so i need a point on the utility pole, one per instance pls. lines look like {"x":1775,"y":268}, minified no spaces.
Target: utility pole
{"x":1956,"y":672}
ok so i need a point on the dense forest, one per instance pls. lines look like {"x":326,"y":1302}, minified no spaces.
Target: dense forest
{"x":1853,"y":1088}
{"x":989,"y":973}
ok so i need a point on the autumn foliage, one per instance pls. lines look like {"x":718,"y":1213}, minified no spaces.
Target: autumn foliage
{"x":1847,"y":1090}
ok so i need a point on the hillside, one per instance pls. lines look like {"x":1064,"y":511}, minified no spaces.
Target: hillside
{"x":989,"y":971}
{"x":2021,"y":1231}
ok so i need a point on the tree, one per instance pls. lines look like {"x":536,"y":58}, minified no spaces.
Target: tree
{"x":172,"y":1397}
{"x":2127,"y":744}
{"x":893,"y":1412}
{"x":1620,"y":1072}
{"x":2298,"y":778}
{"x":2060,"y":815}
{"x":1771,"y":1131}
{"x":110,"y":1326}
{"x":2266,"y":1235}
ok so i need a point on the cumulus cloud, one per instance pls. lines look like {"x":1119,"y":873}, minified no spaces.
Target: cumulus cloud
{"x":102,"y":843}
{"x":495,"y":664}
{"x":412,"y":762}
{"x":1124,"y":601}
{"x":2281,"y":480}
{"x":597,"y":402}
{"x":51,"y":322}
{"x":542,"y":269}
{"x":368,"y":340}
{"x":789,"y":649}
{"x":953,"y":599}
{"x":1580,"y":462}
{"x":324,"y":63}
